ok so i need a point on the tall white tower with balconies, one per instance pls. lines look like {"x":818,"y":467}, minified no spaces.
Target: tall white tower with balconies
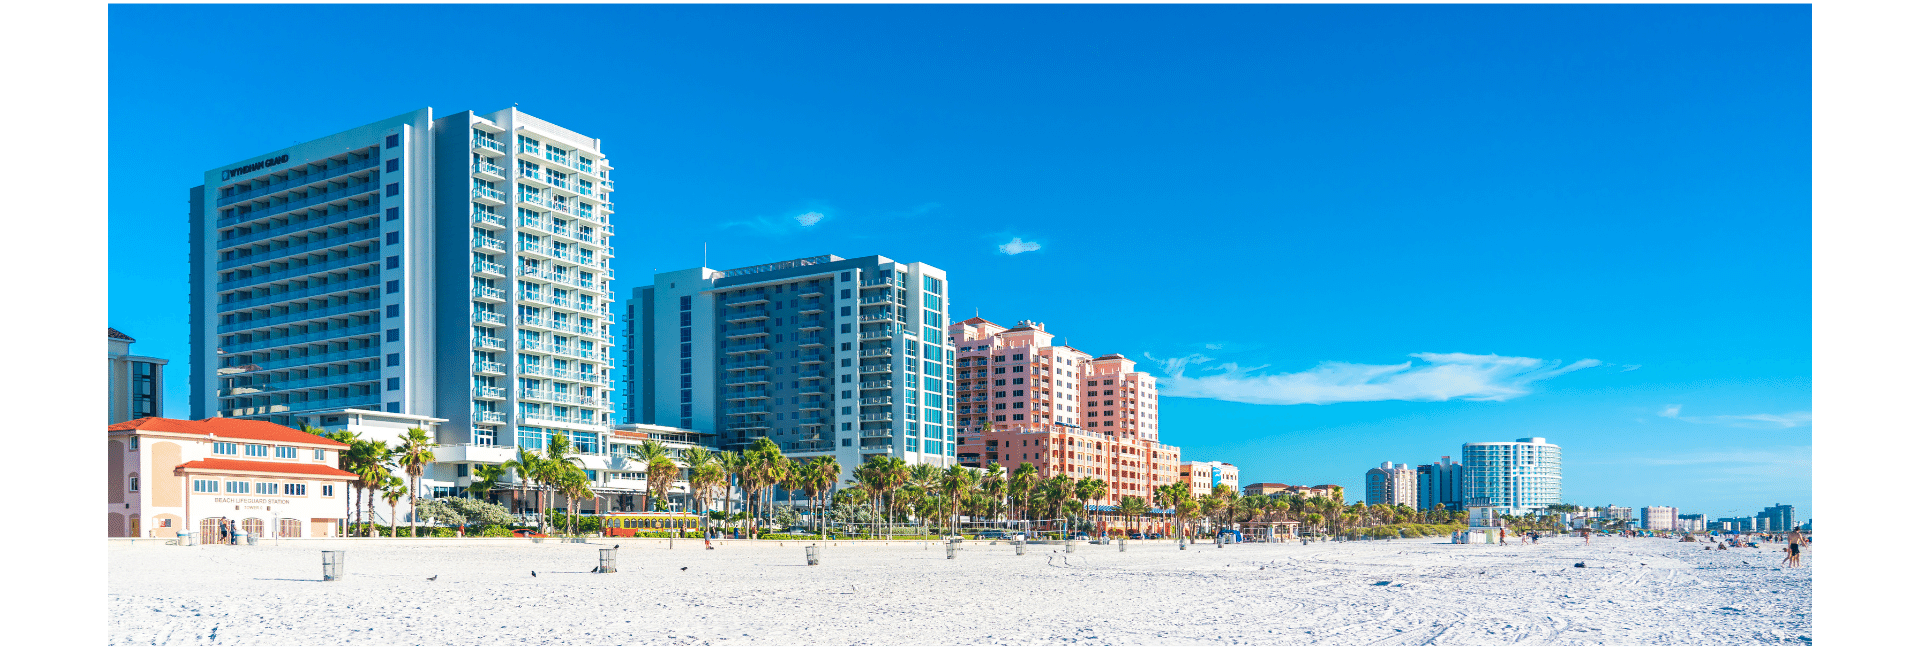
{"x":457,"y":268}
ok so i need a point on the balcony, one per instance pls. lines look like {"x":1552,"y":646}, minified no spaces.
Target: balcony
{"x":263,"y":384}
{"x":749,"y":379}
{"x":812,"y":358}
{"x":352,"y":189}
{"x":298,"y":181}
{"x":884,"y":281}
{"x":489,"y":268}
{"x":489,"y":244}
{"x":310,"y":359}
{"x":746,"y":364}
{"x":812,"y":324}
{"x":876,"y":385}
{"x":489,"y":367}
{"x":817,"y":446}
{"x":489,"y":342}
{"x":750,"y":425}
{"x":489,"y":220}
{"x":490,"y":196}
{"x":745,"y":394}
{"x":816,"y":374}
{"x":322,"y":224}
{"x":489,"y":318}
{"x":810,"y":341}
{"x":489,"y":294}
{"x":876,"y":299}
{"x":301,"y":271}
{"x":813,"y":388}
{"x":489,"y":144}
{"x":312,"y":290}
{"x":877,"y":369}
{"x":877,"y":401}
{"x":877,"y":334}
{"x":812,"y":306}
{"x":490,"y":417}
{"x":872,"y":352}
{"x":749,"y":409}
{"x":489,"y":170}
{"x":756,"y":298}
{"x":489,"y":392}
{"x":756,"y":345}
{"x":877,"y":416}
{"x":750,"y":331}
{"x":750,"y":314}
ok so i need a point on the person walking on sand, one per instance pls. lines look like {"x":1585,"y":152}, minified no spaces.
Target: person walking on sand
{"x":708,"y":536}
{"x":1586,"y":535}
{"x":1503,"y":536}
{"x":1794,"y":540}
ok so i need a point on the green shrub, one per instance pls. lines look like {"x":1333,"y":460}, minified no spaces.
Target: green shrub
{"x":495,"y":531}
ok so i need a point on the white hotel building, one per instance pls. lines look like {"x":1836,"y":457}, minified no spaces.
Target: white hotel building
{"x":456,"y":268}
{"x":1517,"y":477}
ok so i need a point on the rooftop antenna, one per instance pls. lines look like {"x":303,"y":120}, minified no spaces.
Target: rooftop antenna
{"x":703,"y":254}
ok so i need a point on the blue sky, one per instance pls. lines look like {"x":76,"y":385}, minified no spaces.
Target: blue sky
{"x":1586,"y":223}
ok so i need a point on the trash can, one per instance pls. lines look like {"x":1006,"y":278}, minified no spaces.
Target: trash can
{"x":952,"y":545}
{"x":333,"y":565}
{"x":1070,"y":544}
{"x":813,"y":555}
{"x":1019,"y":547}
{"x":183,"y":539}
{"x":252,"y":539}
{"x":608,"y":560}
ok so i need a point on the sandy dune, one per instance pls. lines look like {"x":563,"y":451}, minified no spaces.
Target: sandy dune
{"x":1635,"y":591}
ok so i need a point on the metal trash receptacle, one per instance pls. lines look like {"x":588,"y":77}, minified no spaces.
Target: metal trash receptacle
{"x":952,"y":546}
{"x":183,"y":539}
{"x":813,"y":555}
{"x":1070,"y":544}
{"x":1019,"y":547}
{"x":1123,"y":544}
{"x":252,"y":539}
{"x":609,"y":560}
{"x":333,"y":565}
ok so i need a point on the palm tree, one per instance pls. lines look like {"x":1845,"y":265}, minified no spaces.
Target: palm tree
{"x":1020,"y":486}
{"x":1088,"y":490}
{"x":994,"y":488}
{"x":1055,"y":492}
{"x":895,"y":473}
{"x":487,"y":478}
{"x":415,"y":453}
{"x":347,"y":460}
{"x":527,"y":466}
{"x":1130,"y":509}
{"x":701,"y":473}
{"x":954,"y":483}
{"x":826,"y":474}
{"x":369,"y":459}
{"x":559,"y":456}
{"x":1168,"y":497}
{"x":392,"y":489}
{"x":732,"y":467}
{"x":656,"y":460}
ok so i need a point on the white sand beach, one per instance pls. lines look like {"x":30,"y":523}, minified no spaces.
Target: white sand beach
{"x":1634,"y":592}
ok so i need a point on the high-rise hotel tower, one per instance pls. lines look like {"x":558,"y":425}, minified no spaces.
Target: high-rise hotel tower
{"x":824,"y":355}
{"x":456,"y":267}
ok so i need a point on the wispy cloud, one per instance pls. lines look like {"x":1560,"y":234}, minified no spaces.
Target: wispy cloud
{"x":807,"y":220}
{"x":1215,"y":346}
{"x":1437,"y":377}
{"x":1629,"y":368}
{"x":1016,"y":246}
{"x":773,"y":226}
{"x":1763,"y":420}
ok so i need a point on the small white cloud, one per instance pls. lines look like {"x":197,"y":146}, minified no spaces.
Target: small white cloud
{"x":808,"y":219}
{"x":1214,"y":346}
{"x":1441,"y":377}
{"x":1629,"y":368}
{"x":1763,"y":420}
{"x":1016,"y":246}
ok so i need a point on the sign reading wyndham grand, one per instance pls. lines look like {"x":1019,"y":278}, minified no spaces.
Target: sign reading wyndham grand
{"x":230,"y":173}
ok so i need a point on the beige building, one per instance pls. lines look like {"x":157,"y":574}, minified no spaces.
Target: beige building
{"x":134,"y":383}
{"x":1201,"y":477}
{"x":166,"y":476}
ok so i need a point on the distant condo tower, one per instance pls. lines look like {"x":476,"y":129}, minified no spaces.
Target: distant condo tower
{"x":824,"y":355}
{"x":456,"y":268}
{"x":1518,"y":477}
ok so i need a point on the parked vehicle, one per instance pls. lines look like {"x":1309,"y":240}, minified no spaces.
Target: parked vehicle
{"x":992,"y":534}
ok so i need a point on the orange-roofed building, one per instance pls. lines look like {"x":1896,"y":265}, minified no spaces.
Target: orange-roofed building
{"x":167,"y":476}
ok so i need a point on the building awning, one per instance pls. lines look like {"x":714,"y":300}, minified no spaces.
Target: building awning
{"x":277,"y":468}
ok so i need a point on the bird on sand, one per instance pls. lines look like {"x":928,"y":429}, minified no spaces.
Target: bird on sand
{"x":683,"y":568}
{"x":534,"y":573}
{"x":616,"y":546}
{"x":433,"y":578}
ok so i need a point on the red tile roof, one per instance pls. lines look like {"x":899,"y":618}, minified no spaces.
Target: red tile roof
{"x":116,"y":335}
{"x":977,"y":320}
{"x":255,"y":466}
{"x":224,"y":428}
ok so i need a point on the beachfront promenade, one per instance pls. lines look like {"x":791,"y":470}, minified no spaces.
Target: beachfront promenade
{"x":1635,"y":591}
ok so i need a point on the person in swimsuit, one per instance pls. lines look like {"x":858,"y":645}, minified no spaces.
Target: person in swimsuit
{"x":1794,"y":541}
